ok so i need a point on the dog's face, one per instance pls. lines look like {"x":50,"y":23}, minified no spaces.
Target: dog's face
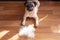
{"x":30,"y":5}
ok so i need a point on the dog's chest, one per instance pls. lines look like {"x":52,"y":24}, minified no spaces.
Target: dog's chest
{"x":31,"y":13}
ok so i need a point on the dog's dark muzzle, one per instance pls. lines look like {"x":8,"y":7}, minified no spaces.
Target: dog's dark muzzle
{"x":30,"y":9}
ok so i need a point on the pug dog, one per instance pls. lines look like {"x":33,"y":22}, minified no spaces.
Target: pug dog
{"x":31,"y":10}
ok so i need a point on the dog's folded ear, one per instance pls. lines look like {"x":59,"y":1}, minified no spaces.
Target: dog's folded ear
{"x":35,"y":3}
{"x":25,"y":3}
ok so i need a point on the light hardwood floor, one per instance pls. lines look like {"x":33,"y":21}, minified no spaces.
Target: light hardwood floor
{"x":11,"y":14}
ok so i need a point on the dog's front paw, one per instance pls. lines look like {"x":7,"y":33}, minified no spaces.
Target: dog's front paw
{"x":23,"y":23}
{"x":36,"y":25}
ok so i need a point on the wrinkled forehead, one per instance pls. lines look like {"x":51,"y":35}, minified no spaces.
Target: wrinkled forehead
{"x":30,"y":3}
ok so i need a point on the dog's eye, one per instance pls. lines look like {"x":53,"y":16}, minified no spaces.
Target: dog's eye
{"x":35,"y":3}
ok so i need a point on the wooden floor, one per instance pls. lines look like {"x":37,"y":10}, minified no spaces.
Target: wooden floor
{"x":11,"y":14}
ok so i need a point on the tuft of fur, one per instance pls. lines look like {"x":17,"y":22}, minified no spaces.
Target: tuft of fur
{"x":27,"y":31}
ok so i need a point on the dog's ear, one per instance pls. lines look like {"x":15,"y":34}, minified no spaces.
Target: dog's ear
{"x":35,"y":3}
{"x":25,"y":3}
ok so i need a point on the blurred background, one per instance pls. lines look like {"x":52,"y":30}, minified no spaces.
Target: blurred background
{"x":11,"y":14}
{"x":25,"y":0}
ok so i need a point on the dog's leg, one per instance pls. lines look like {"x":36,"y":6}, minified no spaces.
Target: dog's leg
{"x":36,"y":21}
{"x":24,"y":20}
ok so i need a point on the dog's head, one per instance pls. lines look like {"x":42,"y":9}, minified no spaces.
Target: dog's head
{"x":30,"y":5}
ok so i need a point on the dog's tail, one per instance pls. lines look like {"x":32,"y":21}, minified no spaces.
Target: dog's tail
{"x":42,"y":19}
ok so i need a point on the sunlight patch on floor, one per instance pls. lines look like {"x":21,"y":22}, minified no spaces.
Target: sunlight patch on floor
{"x":55,"y":28}
{"x":3,"y":33}
{"x":15,"y":37}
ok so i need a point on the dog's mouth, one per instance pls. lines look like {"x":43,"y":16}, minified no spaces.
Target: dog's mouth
{"x":30,"y":9}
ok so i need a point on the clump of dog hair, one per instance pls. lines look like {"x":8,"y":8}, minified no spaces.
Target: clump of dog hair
{"x":27,"y":31}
